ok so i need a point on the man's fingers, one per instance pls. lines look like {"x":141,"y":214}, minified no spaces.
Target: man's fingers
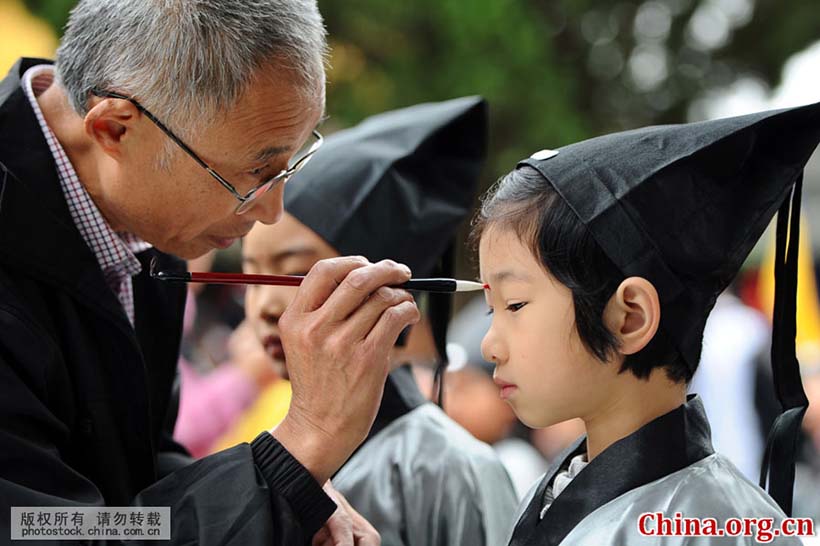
{"x":391,"y":322}
{"x":321,"y":538}
{"x":363,"y":532}
{"x":362,"y":320}
{"x":321,"y":281}
{"x":370,"y":539}
{"x":340,"y":528}
{"x":359,"y":284}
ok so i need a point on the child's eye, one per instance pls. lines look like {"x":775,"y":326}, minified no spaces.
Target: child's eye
{"x":513,"y":307}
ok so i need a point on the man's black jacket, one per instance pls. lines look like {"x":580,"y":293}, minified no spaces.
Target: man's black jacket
{"x":85,"y":399}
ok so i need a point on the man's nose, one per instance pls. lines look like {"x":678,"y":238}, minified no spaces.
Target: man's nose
{"x":268,"y":208}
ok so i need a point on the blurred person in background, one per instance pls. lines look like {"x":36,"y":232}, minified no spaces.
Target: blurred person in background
{"x":473,"y":399}
{"x":397,"y":185}
{"x":210,"y":402}
{"x":807,"y":471}
{"x":734,"y":336}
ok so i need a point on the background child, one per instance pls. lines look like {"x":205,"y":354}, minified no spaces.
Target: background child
{"x":396,"y":186}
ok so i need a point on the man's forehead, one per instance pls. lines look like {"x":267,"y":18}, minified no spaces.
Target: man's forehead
{"x":276,"y":122}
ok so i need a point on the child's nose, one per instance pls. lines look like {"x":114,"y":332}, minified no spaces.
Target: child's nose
{"x":492,"y":348}
{"x":273,"y":303}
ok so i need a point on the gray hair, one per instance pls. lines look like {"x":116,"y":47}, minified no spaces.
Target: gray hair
{"x":187,"y":61}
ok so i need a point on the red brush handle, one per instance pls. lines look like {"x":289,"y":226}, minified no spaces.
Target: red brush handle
{"x":240,"y":278}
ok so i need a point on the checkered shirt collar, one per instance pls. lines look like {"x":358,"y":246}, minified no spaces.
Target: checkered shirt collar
{"x":115,"y":252}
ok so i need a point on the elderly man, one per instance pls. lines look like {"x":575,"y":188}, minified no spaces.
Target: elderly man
{"x":169,"y":128}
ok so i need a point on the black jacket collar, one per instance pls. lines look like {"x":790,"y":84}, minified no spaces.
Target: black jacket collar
{"x":669,"y":443}
{"x":38,"y":237}
{"x":36,"y":228}
{"x":37,"y":233}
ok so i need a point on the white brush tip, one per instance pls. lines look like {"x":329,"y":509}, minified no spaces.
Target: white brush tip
{"x":468,"y":286}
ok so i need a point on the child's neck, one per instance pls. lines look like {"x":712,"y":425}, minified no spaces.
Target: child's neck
{"x":634,"y":403}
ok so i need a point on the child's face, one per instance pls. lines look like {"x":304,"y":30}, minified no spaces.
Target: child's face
{"x":289,"y":247}
{"x":285,"y":248}
{"x":544,"y":371}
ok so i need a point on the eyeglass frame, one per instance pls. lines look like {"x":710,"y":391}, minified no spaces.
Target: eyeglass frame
{"x":246,"y":201}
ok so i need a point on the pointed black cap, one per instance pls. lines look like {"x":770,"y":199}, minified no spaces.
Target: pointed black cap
{"x":682,"y":206}
{"x":397,"y":185}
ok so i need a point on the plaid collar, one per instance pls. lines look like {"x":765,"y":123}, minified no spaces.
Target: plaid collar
{"x":115,"y":253}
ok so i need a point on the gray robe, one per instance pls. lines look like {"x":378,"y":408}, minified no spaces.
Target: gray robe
{"x":422,"y":480}
{"x":667,"y":466}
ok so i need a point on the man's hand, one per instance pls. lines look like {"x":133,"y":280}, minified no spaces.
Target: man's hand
{"x":346,"y":527}
{"x":337,"y":335}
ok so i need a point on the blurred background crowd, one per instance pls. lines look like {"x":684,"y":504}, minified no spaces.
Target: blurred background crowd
{"x":553,"y":73}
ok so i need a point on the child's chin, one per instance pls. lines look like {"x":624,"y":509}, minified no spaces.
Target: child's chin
{"x":533,"y":419}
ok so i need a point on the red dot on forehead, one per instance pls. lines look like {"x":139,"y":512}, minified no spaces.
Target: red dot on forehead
{"x":486,"y":287}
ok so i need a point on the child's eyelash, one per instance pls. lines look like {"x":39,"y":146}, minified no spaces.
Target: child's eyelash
{"x":513,"y":307}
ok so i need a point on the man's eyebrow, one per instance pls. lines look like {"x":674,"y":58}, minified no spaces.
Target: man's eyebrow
{"x":271,"y":152}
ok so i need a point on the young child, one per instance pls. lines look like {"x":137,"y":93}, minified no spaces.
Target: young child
{"x":602,"y":261}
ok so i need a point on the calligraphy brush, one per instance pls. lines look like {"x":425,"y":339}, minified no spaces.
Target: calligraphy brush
{"x":424,"y":285}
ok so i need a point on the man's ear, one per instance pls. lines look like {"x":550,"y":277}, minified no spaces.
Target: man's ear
{"x":107,"y":123}
{"x":633,"y":314}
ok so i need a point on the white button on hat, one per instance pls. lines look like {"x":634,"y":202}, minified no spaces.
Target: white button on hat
{"x":544,"y":154}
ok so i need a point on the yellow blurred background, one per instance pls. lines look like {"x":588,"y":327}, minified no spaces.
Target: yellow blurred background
{"x":22,"y":35}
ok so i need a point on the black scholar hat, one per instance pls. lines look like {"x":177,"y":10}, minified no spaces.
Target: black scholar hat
{"x":682,"y":206}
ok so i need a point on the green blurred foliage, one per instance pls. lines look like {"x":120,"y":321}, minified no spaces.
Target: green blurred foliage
{"x":392,"y":54}
{"x":553,"y":71}
{"x":55,"y":12}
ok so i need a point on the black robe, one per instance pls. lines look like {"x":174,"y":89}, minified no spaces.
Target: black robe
{"x":86,"y":399}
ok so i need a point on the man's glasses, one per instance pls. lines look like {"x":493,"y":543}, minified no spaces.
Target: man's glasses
{"x":245,"y":201}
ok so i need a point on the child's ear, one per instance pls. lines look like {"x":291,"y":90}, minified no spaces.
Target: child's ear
{"x":633,"y":314}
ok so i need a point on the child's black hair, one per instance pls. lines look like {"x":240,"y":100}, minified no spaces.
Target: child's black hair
{"x":525,"y":202}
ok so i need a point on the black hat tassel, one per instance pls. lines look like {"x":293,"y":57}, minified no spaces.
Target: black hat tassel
{"x":440,"y":306}
{"x":781,"y":445}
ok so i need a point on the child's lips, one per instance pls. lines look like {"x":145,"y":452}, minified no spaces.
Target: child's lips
{"x":273,"y":346}
{"x":505,"y":389}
